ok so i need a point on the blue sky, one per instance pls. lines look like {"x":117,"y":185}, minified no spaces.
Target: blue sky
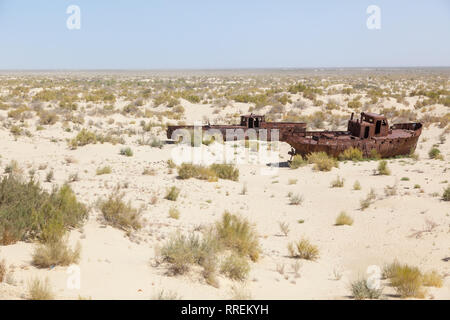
{"x":212,"y":34}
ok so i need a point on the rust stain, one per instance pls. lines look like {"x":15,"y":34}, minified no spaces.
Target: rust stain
{"x":370,"y":132}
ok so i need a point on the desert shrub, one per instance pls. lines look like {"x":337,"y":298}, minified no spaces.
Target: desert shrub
{"x":211,"y":173}
{"x":236,"y":233}
{"x":171,"y":164}
{"x":235,"y":267}
{"x":3,"y":270}
{"x":360,"y":290}
{"x":435,"y":153}
{"x":165,"y":295}
{"x":322,"y":161}
{"x":40,"y":290}
{"x":47,"y":118}
{"x":83,"y":138}
{"x":303,"y":249}
{"x":374,"y":155}
{"x":55,"y":253}
{"x":188,"y":170}
{"x":103,"y":170}
{"x":357,"y":185}
{"x":353,"y":154}
{"x":338,"y":182}
{"x":226,"y":171}
{"x":432,"y":279}
{"x":383,"y":168}
{"x":172,"y":193}
{"x":295,"y":199}
{"x":119,"y":214}
{"x":180,"y":252}
{"x":126,"y":152}
{"x":446,"y":194}
{"x":49,"y":176}
{"x":365,"y":203}
{"x":407,"y":281}
{"x":297,"y":162}
{"x":284,"y":228}
{"x":344,"y":219}
{"x":174,"y":213}
{"x":29,"y":212}
{"x":156,"y":143}
{"x":14,"y":169}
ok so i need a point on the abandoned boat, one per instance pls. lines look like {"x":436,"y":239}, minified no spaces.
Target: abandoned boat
{"x":371,"y":133}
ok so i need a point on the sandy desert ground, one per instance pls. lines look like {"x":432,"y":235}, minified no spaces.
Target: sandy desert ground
{"x":411,"y":226}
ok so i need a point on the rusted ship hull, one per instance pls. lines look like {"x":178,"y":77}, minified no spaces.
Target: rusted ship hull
{"x":401,"y":140}
{"x":371,"y":133}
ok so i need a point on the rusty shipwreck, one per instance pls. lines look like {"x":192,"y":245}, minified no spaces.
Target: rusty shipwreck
{"x":370,"y":133}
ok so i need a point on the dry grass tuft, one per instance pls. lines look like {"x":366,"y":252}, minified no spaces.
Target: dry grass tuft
{"x":40,"y":290}
{"x":119,"y":214}
{"x":303,"y":249}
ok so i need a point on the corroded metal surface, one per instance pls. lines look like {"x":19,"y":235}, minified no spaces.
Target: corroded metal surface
{"x":370,"y":132}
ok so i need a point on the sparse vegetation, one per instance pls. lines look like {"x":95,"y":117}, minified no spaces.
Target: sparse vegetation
{"x":55,"y":253}
{"x":360,"y":290}
{"x":322,"y":161}
{"x":343,"y":219}
{"x":297,"y":162}
{"x":103,"y":170}
{"x":353,"y":154}
{"x":126,"y":152}
{"x":371,"y":196}
{"x":303,"y":249}
{"x":338,"y":182}
{"x":236,"y":233}
{"x":174,"y":213}
{"x":172,"y":193}
{"x":28,"y":212}
{"x":435,"y":153}
{"x":211,"y":173}
{"x":40,"y":290}
{"x":383,"y":169}
{"x":119,"y":214}
{"x":235,"y":267}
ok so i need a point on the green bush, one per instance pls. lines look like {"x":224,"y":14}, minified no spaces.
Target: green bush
{"x":28,"y":212}
{"x":297,"y":162}
{"x":344,"y":219}
{"x":55,"y":253}
{"x":435,"y":153}
{"x":172,"y":193}
{"x":126,"y":152}
{"x":119,"y":214}
{"x":353,"y":154}
{"x":40,"y":290}
{"x":446,"y":194}
{"x":361,"y":291}
{"x":181,"y":252}
{"x":188,"y":170}
{"x":103,"y":170}
{"x":225,"y":171}
{"x":338,"y":182}
{"x":322,"y":161}
{"x":83,"y":138}
{"x":236,"y":233}
{"x":303,"y":249}
{"x":235,"y":267}
{"x":383,"y":168}
{"x":211,"y":173}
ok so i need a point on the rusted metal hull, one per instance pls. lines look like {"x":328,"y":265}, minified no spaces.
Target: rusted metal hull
{"x":401,"y":140}
{"x":370,"y":133}
{"x":231,"y":132}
